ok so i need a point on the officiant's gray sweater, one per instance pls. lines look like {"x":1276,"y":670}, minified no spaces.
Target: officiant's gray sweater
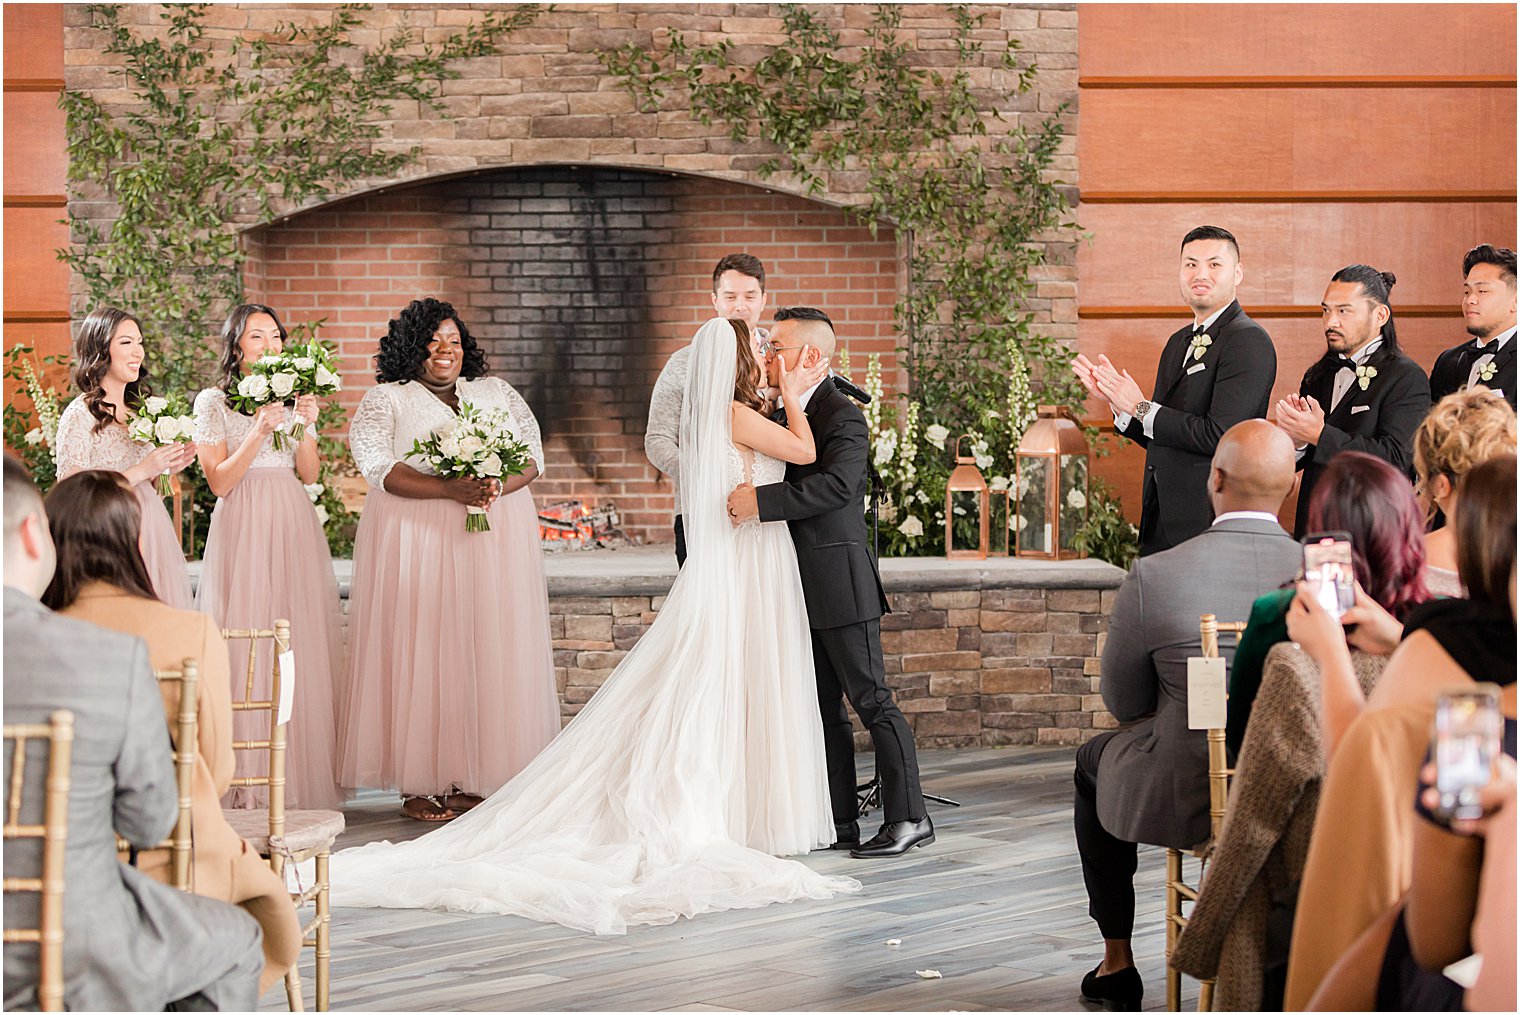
{"x":663,"y":433}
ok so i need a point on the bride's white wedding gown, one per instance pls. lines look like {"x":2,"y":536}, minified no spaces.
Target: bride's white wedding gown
{"x":676,"y":788}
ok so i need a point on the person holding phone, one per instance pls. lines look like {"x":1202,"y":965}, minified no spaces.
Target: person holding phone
{"x":1371,"y":504}
{"x":1365,"y":822}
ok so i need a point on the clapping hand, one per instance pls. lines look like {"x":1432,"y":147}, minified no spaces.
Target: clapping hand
{"x":1108,"y":382}
{"x":1301,"y":418}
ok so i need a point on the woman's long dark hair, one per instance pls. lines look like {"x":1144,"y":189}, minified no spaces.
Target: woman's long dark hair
{"x":1485,"y":531}
{"x":232,"y":335}
{"x":1373,"y":501}
{"x":91,"y":359}
{"x":746,"y":375}
{"x":95,"y":519}
{"x":404,"y":348}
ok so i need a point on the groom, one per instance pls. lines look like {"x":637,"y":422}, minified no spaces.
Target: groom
{"x":823,"y":504}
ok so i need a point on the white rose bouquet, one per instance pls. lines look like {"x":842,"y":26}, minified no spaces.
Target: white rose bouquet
{"x":283,"y":377}
{"x":160,"y":421}
{"x":477,"y":444}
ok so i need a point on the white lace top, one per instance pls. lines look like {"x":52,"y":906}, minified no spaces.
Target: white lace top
{"x":216,"y":422}
{"x":78,"y":446}
{"x":393,"y":415}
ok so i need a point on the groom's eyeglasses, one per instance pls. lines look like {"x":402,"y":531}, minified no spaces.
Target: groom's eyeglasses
{"x":770,"y":349}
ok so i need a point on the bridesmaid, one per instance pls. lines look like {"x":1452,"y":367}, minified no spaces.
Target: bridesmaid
{"x":267,"y":558}
{"x":451,"y":670}
{"x":107,"y":368}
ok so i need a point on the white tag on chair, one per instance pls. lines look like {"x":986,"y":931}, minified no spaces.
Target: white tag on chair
{"x":1206,"y":693}
{"x":287,"y":686}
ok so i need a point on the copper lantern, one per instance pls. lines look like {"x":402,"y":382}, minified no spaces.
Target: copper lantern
{"x":966,"y":491}
{"x":1050,"y":493}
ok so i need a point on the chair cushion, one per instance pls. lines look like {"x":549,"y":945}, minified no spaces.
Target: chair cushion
{"x":305,"y":831}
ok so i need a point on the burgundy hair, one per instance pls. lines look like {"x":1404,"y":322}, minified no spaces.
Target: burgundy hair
{"x":1374,"y":502}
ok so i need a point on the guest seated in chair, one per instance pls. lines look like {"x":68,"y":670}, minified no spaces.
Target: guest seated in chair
{"x":129,"y":942}
{"x":1366,"y":818}
{"x":1148,"y":780}
{"x":1370,"y":501}
{"x":101,"y":579}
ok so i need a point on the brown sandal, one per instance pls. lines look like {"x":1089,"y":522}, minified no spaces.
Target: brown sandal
{"x":437,"y":812}
{"x":460,"y":801}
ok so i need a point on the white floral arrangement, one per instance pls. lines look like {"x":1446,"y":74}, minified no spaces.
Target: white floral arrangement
{"x":314,"y":493}
{"x":281,"y":378}
{"x":160,"y":421}
{"x":476,"y":444}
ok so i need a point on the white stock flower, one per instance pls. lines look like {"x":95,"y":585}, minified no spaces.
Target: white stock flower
{"x":911,"y":526}
{"x":254,"y":386}
{"x":1077,"y":499}
{"x":885,"y":448}
{"x":936,"y":434}
{"x":326,"y":378}
{"x":282,"y":384}
{"x":34,"y":436}
{"x":321,"y":514}
{"x":313,"y":490}
{"x":491,"y":465}
{"x":984,"y":462}
{"x":303,"y":363}
{"x":998,"y":483}
{"x":155,"y":405}
{"x":166,"y":429}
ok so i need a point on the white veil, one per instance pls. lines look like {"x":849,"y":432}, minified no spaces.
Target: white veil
{"x":639,"y":811}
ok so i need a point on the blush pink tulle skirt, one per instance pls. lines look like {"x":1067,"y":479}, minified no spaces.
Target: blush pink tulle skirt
{"x":267,"y":560}
{"x":451,"y":668}
{"x":161,"y":549}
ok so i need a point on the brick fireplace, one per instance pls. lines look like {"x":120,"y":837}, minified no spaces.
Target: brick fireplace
{"x":579,"y":282}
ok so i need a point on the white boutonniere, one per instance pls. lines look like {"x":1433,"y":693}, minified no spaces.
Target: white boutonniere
{"x":1364,"y":376}
{"x":1199,"y":344}
{"x":1486,"y":371}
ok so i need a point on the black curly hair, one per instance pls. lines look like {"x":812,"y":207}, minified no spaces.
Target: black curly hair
{"x":404,"y":348}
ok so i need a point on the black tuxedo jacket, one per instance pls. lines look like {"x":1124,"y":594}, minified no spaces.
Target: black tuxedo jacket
{"x":1380,"y":421}
{"x":1450,"y":375}
{"x":1199,"y":400}
{"x":824,"y":506}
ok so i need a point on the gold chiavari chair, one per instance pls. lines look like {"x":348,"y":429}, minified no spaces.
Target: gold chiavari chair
{"x":54,"y":830}
{"x":1179,"y":891}
{"x":279,"y":835}
{"x":181,"y":841}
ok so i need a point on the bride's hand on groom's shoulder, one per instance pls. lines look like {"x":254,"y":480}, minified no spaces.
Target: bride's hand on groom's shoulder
{"x":742,"y":505}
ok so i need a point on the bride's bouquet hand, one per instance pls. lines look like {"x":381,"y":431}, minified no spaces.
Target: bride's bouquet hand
{"x":801,"y":377}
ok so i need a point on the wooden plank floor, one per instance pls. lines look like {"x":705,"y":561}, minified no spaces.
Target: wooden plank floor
{"x":996,"y":905}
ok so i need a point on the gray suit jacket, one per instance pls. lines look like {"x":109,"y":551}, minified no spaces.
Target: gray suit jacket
{"x":121,"y":929}
{"x":1153,"y":777}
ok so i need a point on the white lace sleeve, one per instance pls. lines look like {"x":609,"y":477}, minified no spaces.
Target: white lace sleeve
{"x":371,"y":436}
{"x":71,"y":445}
{"x":210,"y":427}
{"x":527,"y":424}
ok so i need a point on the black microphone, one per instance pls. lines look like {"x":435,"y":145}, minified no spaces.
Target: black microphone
{"x":850,"y":388}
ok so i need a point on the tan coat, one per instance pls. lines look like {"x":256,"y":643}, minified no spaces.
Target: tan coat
{"x":1264,"y":844}
{"x":1361,"y":854}
{"x":225,"y":867}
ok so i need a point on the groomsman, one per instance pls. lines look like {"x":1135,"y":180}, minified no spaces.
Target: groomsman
{"x":738,"y":290}
{"x":1488,"y":305}
{"x":1213,"y":374}
{"x":1363,"y":394}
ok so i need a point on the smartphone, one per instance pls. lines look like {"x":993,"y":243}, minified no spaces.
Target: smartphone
{"x":1467,"y":738}
{"x":1328,"y":570}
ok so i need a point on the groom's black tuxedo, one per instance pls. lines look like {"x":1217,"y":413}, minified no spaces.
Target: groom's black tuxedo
{"x":824,"y":506}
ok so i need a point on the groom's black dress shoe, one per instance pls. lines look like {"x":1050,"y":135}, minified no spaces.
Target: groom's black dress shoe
{"x":896,"y":838}
{"x":1121,"y":991}
{"x":846,"y":836}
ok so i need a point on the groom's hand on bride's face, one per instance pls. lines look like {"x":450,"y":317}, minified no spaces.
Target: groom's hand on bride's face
{"x":742,"y":505}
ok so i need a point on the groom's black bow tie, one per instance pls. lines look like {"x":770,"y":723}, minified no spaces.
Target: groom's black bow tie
{"x":1345,"y":361}
{"x":1472,"y":352}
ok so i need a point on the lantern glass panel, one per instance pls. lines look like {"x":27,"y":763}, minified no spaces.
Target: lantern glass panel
{"x":1033,"y":521}
{"x":999,"y":535}
{"x":966,"y":527}
{"x":1073,"y":498}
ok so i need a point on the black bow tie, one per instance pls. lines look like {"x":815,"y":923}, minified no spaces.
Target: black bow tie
{"x":1471,"y":353}
{"x":1347,"y":362}
{"x":1197,"y":330}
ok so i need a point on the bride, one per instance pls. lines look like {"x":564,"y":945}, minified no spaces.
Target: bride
{"x":700,"y":761}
